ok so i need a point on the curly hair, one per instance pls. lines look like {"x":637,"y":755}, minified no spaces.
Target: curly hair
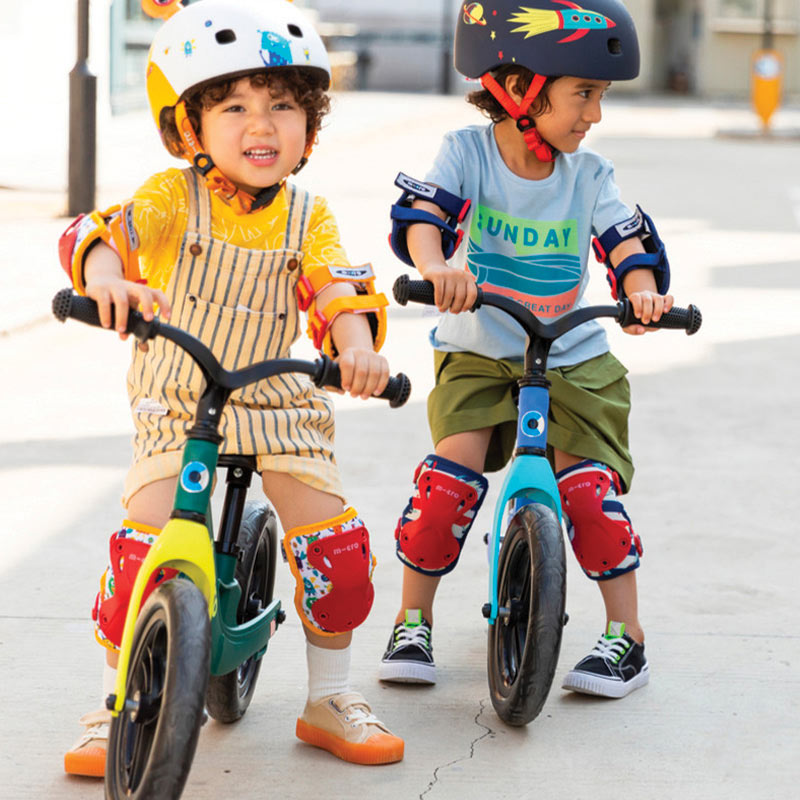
{"x":490,"y":106}
{"x":305,"y":87}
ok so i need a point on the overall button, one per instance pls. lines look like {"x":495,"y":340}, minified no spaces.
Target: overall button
{"x":195,"y":249}
{"x":292,"y":264}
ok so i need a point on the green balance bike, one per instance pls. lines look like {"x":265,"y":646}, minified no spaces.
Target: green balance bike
{"x":199,"y":640}
{"x":527,"y":562}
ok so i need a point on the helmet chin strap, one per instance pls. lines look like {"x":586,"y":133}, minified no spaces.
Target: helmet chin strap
{"x":525,"y":124}
{"x":240,"y":201}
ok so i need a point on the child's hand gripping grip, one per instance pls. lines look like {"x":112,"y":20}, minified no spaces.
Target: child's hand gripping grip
{"x":397,"y":391}
{"x":688,"y":319}
{"x":67,"y":304}
{"x":405,"y":289}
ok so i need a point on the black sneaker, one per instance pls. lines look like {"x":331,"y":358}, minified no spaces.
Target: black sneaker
{"x":615,"y":667}
{"x":409,"y":654}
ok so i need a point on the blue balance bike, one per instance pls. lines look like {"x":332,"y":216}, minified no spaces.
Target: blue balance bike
{"x":527,"y":565}
{"x":199,"y":640}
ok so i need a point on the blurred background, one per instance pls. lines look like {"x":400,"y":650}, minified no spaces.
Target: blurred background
{"x":691,"y":47}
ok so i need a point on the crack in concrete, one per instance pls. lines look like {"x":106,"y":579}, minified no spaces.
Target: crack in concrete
{"x":488,"y":732}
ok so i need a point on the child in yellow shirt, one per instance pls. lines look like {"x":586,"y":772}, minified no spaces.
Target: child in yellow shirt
{"x":225,"y":248}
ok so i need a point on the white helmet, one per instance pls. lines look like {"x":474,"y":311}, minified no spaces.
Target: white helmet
{"x":214,"y":39}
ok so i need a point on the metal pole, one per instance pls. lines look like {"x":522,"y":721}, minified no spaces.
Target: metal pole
{"x":447,"y":43}
{"x":769,"y":39}
{"x":82,"y":123}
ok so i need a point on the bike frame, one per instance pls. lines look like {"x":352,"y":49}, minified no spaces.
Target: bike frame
{"x":530,"y":477}
{"x":186,"y":544}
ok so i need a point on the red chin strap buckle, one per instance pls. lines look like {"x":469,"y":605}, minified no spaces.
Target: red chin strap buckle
{"x":525,"y":124}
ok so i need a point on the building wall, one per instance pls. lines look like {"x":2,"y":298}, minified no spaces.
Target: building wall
{"x":729,"y":44}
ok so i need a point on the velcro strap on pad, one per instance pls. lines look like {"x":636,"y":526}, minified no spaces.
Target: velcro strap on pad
{"x":332,"y":565}
{"x":434,"y":526}
{"x":599,"y":528}
{"x":319,"y":322}
{"x":311,"y":283}
{"x":452,"y":205}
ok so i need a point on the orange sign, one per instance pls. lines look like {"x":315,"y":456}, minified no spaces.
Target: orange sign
{"x":767,"y":79}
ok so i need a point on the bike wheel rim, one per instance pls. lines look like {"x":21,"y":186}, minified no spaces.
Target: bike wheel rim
{"x":515,"y":591}
{"x":147,"y":676}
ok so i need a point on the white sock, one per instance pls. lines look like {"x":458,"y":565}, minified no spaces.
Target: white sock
{"x":109,"y":681}
{"x":328,"y":671}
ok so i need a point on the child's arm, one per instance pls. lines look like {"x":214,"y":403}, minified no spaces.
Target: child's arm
{"x":639,"y":286}
{"x":364,"y":372}
{"x":455,"y":290}
{"x":106,"y":285}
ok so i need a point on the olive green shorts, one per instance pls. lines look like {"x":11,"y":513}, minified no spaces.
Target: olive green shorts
{"x":589,"y":407}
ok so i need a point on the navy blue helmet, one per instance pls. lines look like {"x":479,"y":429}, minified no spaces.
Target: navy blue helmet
{"x":550,"y":37}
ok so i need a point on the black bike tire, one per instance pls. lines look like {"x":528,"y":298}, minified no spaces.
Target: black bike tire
{"x":229,"y":695}
{"x":171,"y":649}
{"x":523,"y":649}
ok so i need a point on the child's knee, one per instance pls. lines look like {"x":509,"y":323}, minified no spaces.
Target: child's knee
{"x":599,"y":528}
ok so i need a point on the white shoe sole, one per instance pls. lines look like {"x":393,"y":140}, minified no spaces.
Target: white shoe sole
{"x":586,"y":683}
{"x":407,"y":672}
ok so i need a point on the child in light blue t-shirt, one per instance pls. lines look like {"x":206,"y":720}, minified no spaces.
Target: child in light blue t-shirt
{"x":537,"y":199}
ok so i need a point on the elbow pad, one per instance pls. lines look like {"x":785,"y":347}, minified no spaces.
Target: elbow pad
{"x":403,"y":215}
{"x":654,"y":258}
{"x":365,"y":301}
{"x":114,"y":226}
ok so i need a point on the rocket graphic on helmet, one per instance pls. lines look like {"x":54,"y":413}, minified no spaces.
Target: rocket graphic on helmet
{"x":548,"y":37}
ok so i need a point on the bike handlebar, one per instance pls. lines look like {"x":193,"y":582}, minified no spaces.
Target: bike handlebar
{"x":324,"y":371}
{"x":689,"y":319}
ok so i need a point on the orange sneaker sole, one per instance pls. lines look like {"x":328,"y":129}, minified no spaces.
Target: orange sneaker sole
{"x":90,"y":762}
{"x":382,"y":748}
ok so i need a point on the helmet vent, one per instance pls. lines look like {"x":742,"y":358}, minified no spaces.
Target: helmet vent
{"x":295,"y":31}
{"x":225,"y":36}
{"x":615,"y":47}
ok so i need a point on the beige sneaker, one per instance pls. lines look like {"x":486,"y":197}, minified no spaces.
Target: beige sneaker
{"x":343,"y":724}
{"x":88,"y":755}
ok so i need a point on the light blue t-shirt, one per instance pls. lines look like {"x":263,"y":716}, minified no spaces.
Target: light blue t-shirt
{"x":527,"y":239}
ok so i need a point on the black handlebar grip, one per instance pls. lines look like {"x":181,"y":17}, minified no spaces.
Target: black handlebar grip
{"x":689,"y":319}
{"x":397,"y":390}
{"x":68,"y":304}
{"x":405,"y":289}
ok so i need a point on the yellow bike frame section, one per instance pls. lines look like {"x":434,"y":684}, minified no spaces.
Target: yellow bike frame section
{"x":178,"y":538}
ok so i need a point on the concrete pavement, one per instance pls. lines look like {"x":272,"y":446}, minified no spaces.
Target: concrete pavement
{"x":714,"y":432}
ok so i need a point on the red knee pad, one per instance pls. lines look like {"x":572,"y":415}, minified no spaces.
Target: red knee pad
{"x":127,"y":550}
{"x":434,"y":525}
{"x":600,"y":530}
{"x":332,"y":565}
{"x":346,"y":561}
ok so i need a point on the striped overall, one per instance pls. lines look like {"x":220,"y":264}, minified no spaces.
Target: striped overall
{"x":240,"y":303}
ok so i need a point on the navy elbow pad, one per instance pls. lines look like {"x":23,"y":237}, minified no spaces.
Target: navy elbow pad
{"x":654,"y":258}
{"x":403,"y":215}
